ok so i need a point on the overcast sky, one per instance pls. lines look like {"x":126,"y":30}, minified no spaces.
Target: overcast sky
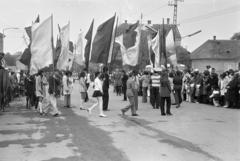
{"x":221,"y":17}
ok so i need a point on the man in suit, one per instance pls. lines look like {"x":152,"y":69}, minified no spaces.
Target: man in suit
{"x":105,"y":88}
{"x":130,"y":94}
{"x":124,"y":82}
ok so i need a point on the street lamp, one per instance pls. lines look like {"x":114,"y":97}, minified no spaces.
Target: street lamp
{"x":4,"y":36}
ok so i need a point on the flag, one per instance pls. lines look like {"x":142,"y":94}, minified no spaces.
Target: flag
{"x":71,"y":46}
{"x":102,"y":41}
{"x":130,"y":56}
{"x":79,"y":50}
{"x":155,"y":48}
{"x":57,"y":51}
{"x":130,"y":36}
{"x":26,"y":56}
{"x":163,"y":53}
{"x":150,"y":52}
{"x":70,"y":62}
{"x":88,"y":37}
{"x":170,"y":47}
{"x":41,"y":47}
{"x":112,"y":42}
{"x":64,"y":55}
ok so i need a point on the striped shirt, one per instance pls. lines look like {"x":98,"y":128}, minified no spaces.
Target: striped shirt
{"x":155,"y":80}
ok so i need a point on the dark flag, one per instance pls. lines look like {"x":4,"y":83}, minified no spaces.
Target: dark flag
{"x":57,"y":51}
{"x":29,"y":29}
{"x":130,"y":36}
{"x":88,"y":37}
{"x":163,"y":53}
{"x":102,"y":42}
{"x":71,"y":46}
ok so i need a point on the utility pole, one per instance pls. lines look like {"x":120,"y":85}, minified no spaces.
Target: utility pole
{"x":175,"y":4}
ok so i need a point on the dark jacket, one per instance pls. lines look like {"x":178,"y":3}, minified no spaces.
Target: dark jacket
{"x":105,"y":81}
{"x":232,"y":91}
{"x":53,"y":86}
{"x":165,"y":89}
{"x":177,"y":81}
{"x":124,"y":80}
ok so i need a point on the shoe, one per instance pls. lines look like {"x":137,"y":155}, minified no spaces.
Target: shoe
{"x":163,"y":114}
{"x":56,"y":115}
{"x":82,"y":108}
{"x":89,"y":112}
{"x":41,"y":113}
{"x":226,"y":106}
{"x":134,"y":114}
{"x":123,"y":112}
{"x":102,"y":115}
{"x":169,"y":114}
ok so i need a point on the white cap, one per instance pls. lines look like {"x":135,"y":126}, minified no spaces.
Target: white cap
{"x":195,"y":70}
{"x":157,"y":69}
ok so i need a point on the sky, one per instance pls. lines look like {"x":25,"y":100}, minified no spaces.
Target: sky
{"x":218,"y":18}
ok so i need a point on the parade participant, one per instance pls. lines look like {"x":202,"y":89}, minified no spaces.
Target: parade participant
{"x":124,"y":83}
{"x":88,"y":81}
{"x":97,"y":94}
{"x":66,"y":90}
{"x":136,"y":89}
{"x":170,"y":77}
{"x":53,"y":90}
{"x":117,"y":82}
{"x":105,"y":88}
{"x":70,"y":83}
{"x":82,"y":89}
{"x":39,"y":91}
{"x":145,"y":83}
{"x":30,"y":89}
{"x":223,"y":82}
{"x":155,"y":80}
{"x":232,"y":92}
{"x":131,"y":85}
{"x":165,"y":91}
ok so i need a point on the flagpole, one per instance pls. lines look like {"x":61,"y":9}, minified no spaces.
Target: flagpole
{"x":113,"y":45}
{"x":164,"y":44}
{"x":140,"y":37}
{"x":52,"y":51}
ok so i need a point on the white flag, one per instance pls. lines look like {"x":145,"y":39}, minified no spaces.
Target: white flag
{"x":41,"y":47}
{"x":79,"y":50}
{"x":149,"y":38}
{"x":170,"y":47}
{"x":155,"y":47}
{"x":64,"y":55}
{"x":130,"y":56}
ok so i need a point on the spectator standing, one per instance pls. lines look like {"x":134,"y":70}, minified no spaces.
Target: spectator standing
{"x":155,"y":80}
{"x":124,"y":83}
{"x":145,"y":79}
{"x":105,"y":88}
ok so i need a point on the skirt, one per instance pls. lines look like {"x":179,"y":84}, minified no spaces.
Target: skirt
{"x":97,"y":94}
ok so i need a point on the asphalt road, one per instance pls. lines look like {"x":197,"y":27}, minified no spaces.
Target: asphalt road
{"x":194,"y":132}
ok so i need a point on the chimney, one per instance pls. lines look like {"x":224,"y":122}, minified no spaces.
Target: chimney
{"x":149,"y":22}
{"x":214,"y":37}
{"x":168,"y":20}
{"x":125,"y":21}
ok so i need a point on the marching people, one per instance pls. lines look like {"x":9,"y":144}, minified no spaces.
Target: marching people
{"x":39,"y":91}
{"x":145,"y":83}
{"x":88,"y":81}
{"x":53,"y":93}
{"x":136,"y":89}
{"x":155,"y":80}
{"x":82,"y":89}
{"x":66,"y":90}
{"x":165,"y":91}
{"x":98,"y":93}
{"x":117,"y":82}
{"x":131,"y":85}
{"x":105,"y":88}
{"x":124,"y":83}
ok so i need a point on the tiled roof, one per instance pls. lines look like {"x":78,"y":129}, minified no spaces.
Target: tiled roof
{"x":217,"y":49}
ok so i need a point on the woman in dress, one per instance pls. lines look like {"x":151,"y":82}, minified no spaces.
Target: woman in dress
{"x":82,"y":89}
{"x":165,"y":91}
{"x":98,"y":93}
{"x":39,"y":91}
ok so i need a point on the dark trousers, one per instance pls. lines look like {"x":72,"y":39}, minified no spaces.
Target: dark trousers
{"x":118,"y":89}
{"x":155,"y":97}
{"x":144,"y":95}
{"x":105,"y":99}
{"x":86,"y":99}
{"x":168,"y":100}
{"x":178,"y":97}
{"x":124,"y":88}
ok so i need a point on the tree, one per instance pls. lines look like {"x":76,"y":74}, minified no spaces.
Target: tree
{"x":236,"y":36}
{"x":10,"y":59}
{"x":183,"y":56}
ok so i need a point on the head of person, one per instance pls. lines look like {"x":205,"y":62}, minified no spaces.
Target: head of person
{"x":164,"y":79}
{"x":178,"y":73}
{"x":214,"y":87}
{"x":145,"y":73}
{"x":40,"y":72}
{"x":213,"y":70}
{"x":123,"y":71}
{"x":231,"y":72}
{"x":171,"y":74}
{"x":131,"y":75}
{"x":97,"y":74}
{"x":135,"y":72}
{"x":70,"y":73}
{"x":82,"y":74}
{"x":236,"y":77}
{"x":105,"y":69}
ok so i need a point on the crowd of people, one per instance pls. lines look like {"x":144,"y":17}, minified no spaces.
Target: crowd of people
{"x":161,"y":86}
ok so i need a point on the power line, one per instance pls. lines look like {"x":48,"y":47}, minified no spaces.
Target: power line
{"x":18,"y":47}
{"x":212,"y":14}
{"x":141,"y":8}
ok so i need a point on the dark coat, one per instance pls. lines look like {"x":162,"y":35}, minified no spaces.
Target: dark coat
{"x":232,"y":91}
{"x":124,"y":80}
{"x":165,"y":89}
{"x":53,"y":86}
{"x":29,"y":83}
{"x":177,"y":81}
{"x":105,"y":81}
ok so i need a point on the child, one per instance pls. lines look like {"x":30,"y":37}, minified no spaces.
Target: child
{"x":187,"y":88}
{"x":215,"y":96}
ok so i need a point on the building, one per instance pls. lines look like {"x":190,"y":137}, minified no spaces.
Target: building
{"x":1,"y":42}
{"x":220,"y":54}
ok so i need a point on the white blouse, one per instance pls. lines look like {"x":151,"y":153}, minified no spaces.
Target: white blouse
{"x":97,"y":84}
